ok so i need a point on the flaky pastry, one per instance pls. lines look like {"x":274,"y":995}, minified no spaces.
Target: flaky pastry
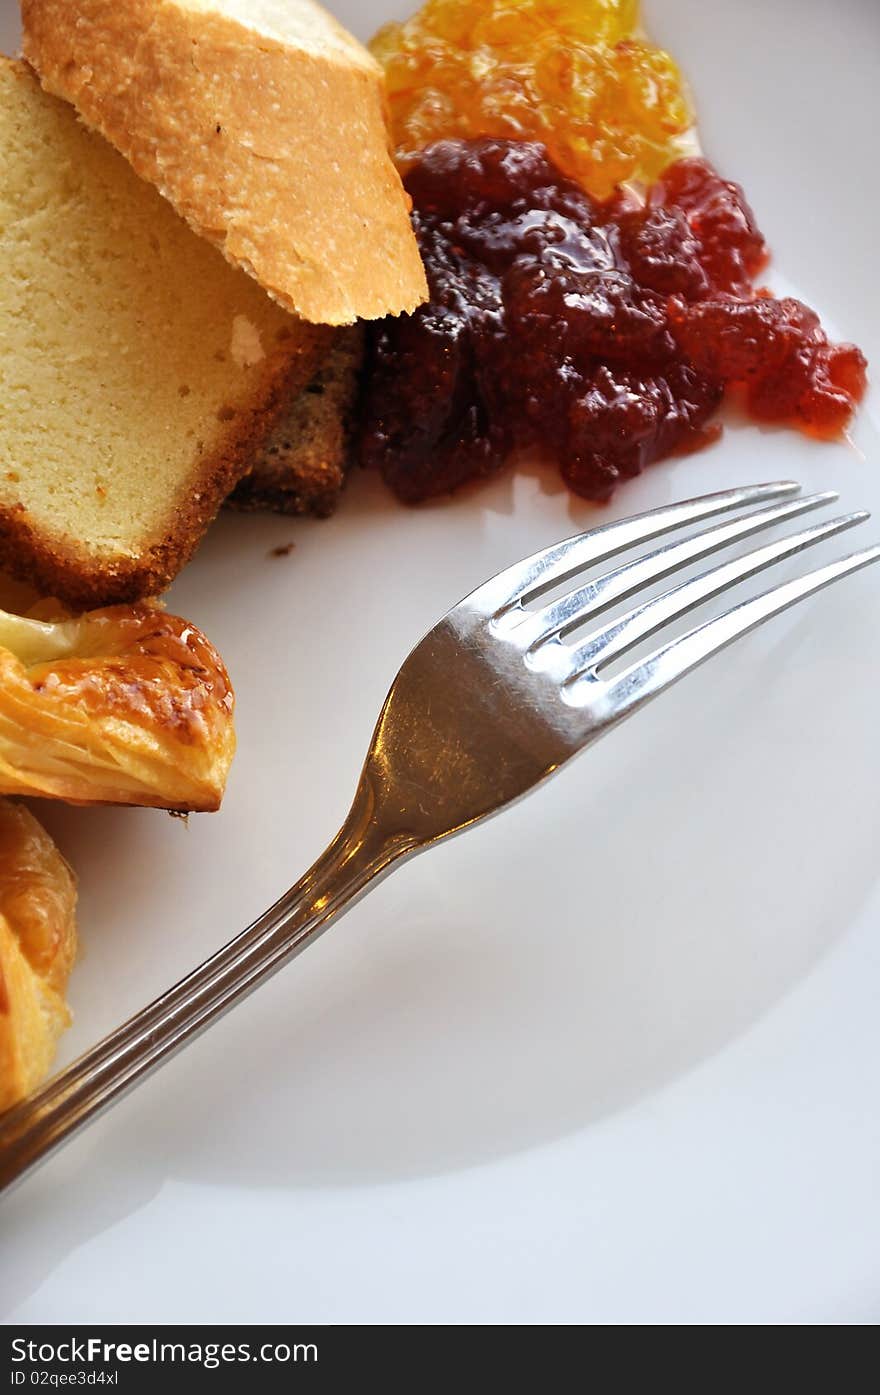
{"x":126,"y":705}
{"x":37,"y":950}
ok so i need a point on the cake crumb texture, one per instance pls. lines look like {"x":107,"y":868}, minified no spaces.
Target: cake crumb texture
{"x":128,"y":408}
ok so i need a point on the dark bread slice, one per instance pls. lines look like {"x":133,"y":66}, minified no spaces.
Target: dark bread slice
{"x":303,"y":466}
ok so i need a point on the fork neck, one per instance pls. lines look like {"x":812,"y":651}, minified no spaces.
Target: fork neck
{"x":365,"y":848}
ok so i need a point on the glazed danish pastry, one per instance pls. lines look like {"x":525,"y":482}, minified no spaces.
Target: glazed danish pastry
{"x":126,"y":705}
{"x":37,"y":950}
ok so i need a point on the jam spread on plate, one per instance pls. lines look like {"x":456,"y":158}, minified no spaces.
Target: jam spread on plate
{"x":603,"y":334}
{"x":592,"y":282}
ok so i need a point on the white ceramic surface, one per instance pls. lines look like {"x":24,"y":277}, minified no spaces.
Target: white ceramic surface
{"x":612,"y":1057}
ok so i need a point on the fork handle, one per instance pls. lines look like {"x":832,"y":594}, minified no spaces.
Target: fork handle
{"x":360,"y":853}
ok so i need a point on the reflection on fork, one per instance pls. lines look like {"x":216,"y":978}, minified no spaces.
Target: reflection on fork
{"x":498,"y":696}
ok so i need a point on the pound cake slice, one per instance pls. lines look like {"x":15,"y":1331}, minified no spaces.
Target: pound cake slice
{"x":303,"y":465}
{"x":138,"y":370}
{"x":263,"y":123}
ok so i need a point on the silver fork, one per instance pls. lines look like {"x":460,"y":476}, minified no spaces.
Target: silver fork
{"x":491,"y":702}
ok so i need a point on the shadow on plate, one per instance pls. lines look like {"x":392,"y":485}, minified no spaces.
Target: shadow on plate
{"x":399,"y":1048}
{"x":699,"y":890}
{"x":425,"y":1034}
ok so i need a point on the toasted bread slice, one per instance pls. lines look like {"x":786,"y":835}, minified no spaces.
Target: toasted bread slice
{"x":262,"y":122}
{"x":303,"y":466}
{"x":138,"y":370}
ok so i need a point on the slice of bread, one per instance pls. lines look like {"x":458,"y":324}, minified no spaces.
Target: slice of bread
{"x":263,"y":122}
{"x":303,"y":466}
{"x":138,"y":370}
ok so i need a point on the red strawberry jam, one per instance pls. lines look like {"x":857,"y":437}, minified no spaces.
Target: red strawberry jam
{"x":603,"y":335}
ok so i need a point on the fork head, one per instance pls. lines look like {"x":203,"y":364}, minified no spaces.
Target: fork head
{"x":496,"y":698}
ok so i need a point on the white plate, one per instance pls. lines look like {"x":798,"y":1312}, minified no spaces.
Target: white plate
{"x":612,"y":1057}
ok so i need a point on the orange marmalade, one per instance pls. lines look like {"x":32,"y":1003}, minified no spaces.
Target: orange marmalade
{"x":576,"y":75}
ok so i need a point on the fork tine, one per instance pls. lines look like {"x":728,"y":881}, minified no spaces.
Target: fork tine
{"x":526,"y":580}
{"x":611,"y":701}
{"x":630,"y":629}
{"x":531,"y":629}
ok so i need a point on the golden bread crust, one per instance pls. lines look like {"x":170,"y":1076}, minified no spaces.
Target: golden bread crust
{"x":124,"y":705}
{"x":37,"y":950}
{"x":276,"y":151}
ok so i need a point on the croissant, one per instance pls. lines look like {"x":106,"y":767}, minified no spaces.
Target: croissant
{"x":126,"y":705}
{"x":37,"y":950}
